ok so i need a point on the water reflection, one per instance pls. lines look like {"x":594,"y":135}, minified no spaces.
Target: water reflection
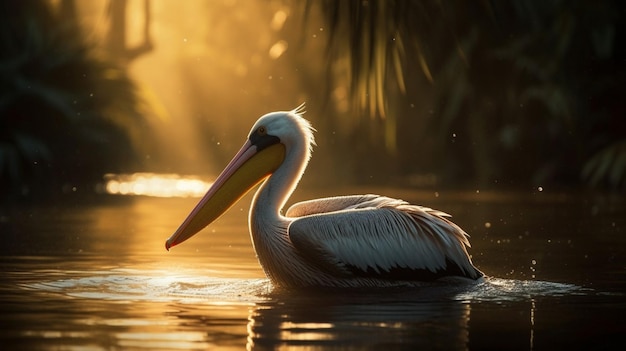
{"x":98,"y":277}
{"x":155,"y":184}
{"x":142,"y":309}
{"x":193,"y":311}
{"x":357,"y":320}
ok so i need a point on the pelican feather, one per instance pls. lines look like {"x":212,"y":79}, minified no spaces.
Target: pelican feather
{"x":382,"y":236}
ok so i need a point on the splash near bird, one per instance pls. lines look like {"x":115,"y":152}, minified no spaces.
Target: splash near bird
{"x":344,"y":241}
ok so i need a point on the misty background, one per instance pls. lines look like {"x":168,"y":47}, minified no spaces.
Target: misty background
{"x":425,"y":94}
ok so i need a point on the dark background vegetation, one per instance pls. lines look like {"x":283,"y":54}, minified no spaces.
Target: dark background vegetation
{"x":488,"y":94}
{"x":67,"y":115}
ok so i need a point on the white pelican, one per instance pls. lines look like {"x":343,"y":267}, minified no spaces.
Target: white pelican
{"x":345,"y":241}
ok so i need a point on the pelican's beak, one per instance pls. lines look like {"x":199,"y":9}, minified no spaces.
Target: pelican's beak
{"x":252,"y":164}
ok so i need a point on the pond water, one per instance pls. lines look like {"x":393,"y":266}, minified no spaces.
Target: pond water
{"x":96,"y":276}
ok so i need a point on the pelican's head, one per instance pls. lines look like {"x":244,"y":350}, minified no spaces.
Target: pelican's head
{"x":269,"y":141}
{"x":289,"y":127}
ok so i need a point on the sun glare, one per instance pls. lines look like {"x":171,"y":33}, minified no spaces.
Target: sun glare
{"x":154,"y":184}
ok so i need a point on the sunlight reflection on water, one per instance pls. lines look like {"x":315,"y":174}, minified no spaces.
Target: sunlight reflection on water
{"x":198,"y":303}
{"x":157,"y":286}
{"x":131,"y":285}
{"x":155,"y":184}
{"x":102,"y":280}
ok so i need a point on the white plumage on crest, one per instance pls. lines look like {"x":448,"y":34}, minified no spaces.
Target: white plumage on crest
{"x":345,"y":241}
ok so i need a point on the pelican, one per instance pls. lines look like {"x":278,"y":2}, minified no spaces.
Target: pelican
{"x":336,"y":242}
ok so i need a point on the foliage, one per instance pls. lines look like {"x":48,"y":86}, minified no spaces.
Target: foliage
{"x":522,"y":91}
{"x":66,"y":117}
{"x":376,"y":38}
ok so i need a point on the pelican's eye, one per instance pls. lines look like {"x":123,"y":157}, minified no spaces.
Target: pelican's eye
{"x":261,"y":139}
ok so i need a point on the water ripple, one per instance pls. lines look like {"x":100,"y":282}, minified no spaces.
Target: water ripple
{"x":162,"y":286}
{"x":152,"y":286}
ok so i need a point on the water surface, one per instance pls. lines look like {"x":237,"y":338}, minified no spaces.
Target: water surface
{"x":96,"y":276}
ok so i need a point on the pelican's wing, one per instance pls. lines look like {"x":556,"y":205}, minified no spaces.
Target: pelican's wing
{"x":385,"y":239}
{"x":328,"y":204}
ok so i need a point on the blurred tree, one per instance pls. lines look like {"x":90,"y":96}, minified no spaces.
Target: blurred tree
{"x":116,"y":37}
{"x":66,"y":117}
{"x":520,"y":92}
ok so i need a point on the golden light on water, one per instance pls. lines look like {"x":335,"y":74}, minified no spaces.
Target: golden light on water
{"x":155,"y":184}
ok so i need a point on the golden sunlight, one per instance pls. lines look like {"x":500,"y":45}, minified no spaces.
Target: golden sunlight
{"x":306,"y":331}
{"x":154,"y":184}
{"x":278,"y":49}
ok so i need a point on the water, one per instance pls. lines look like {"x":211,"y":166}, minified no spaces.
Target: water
{"x":96,"y":276}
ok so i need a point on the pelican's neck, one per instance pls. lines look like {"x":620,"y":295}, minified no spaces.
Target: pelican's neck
{"x":268,"y":227}
{"x":273,"y":194}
